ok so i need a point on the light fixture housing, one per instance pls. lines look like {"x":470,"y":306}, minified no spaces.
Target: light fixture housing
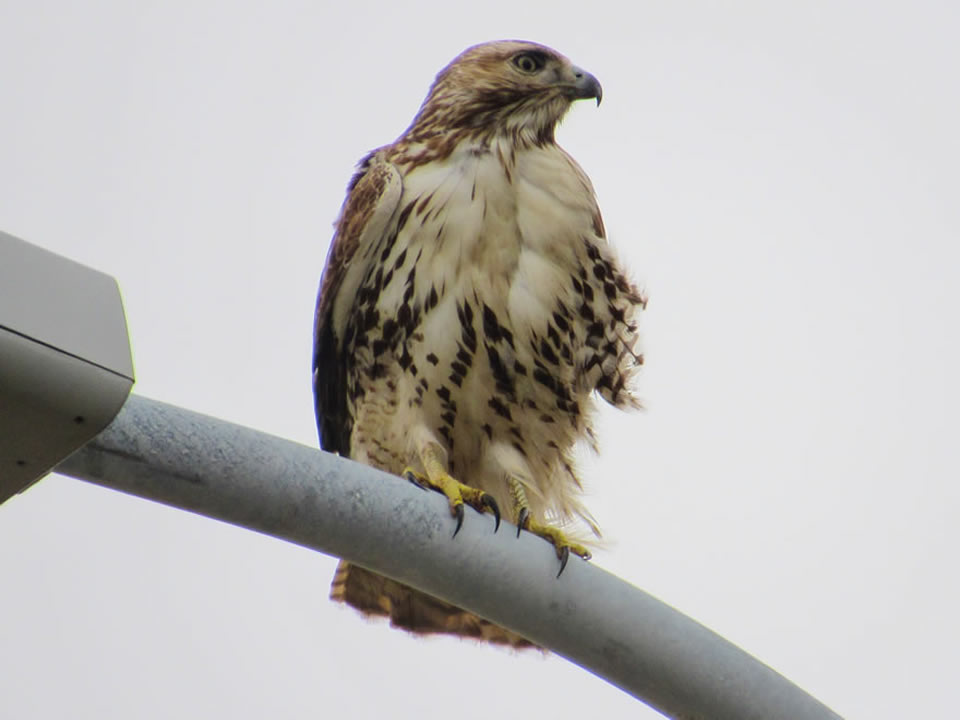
{"x":65,"y":362}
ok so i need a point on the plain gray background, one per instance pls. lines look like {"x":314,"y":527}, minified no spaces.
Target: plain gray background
{"x":783,"y":179}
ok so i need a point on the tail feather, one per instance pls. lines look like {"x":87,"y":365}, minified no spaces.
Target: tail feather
{"x":412,"y":610}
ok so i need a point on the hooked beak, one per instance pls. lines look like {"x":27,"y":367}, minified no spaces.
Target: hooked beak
{"x":586,"y":86}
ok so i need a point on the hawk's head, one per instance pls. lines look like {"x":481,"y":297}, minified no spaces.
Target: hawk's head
{"x":508,"y":86}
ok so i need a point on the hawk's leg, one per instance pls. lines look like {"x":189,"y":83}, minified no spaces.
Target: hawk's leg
{"x":432,"y":457}
{"x":521,"y":511}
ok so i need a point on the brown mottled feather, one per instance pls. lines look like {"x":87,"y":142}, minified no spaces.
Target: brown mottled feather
{"x":372,"y":197}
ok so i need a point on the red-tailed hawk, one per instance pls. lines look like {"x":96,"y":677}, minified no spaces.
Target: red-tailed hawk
{"x":469,"y":310}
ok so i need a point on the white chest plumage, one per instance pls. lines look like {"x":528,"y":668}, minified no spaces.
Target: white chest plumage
{"x":485,"y":299}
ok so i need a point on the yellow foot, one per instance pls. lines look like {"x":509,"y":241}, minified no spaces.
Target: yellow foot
{"x":552,"y":535}
{"x":457,"y":494}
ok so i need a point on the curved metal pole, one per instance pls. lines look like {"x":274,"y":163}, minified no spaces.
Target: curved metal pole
{"x":290,"y":491}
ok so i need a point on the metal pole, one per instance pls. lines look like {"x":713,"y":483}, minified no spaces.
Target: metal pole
{"x":324,"y":502}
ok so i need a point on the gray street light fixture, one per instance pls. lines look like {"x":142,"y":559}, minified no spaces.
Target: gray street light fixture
{"x":65,"y":367}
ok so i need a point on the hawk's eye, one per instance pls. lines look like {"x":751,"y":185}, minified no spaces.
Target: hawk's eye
{"x":530,"y":62}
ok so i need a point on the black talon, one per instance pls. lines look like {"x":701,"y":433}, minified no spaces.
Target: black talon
{"x":410,"y":477}
{"x":522,"y":520}
{"x":494,"y":508}
{"x":458,"y":511}
{"x":564,"y":556}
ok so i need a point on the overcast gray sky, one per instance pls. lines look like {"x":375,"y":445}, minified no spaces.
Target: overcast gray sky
{"x":782,"y":177}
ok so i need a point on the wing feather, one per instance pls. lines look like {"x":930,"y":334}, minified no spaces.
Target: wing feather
{"x":371,"y":202}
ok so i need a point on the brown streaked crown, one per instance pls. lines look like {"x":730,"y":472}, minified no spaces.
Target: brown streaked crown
{"x":512,"y":87}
